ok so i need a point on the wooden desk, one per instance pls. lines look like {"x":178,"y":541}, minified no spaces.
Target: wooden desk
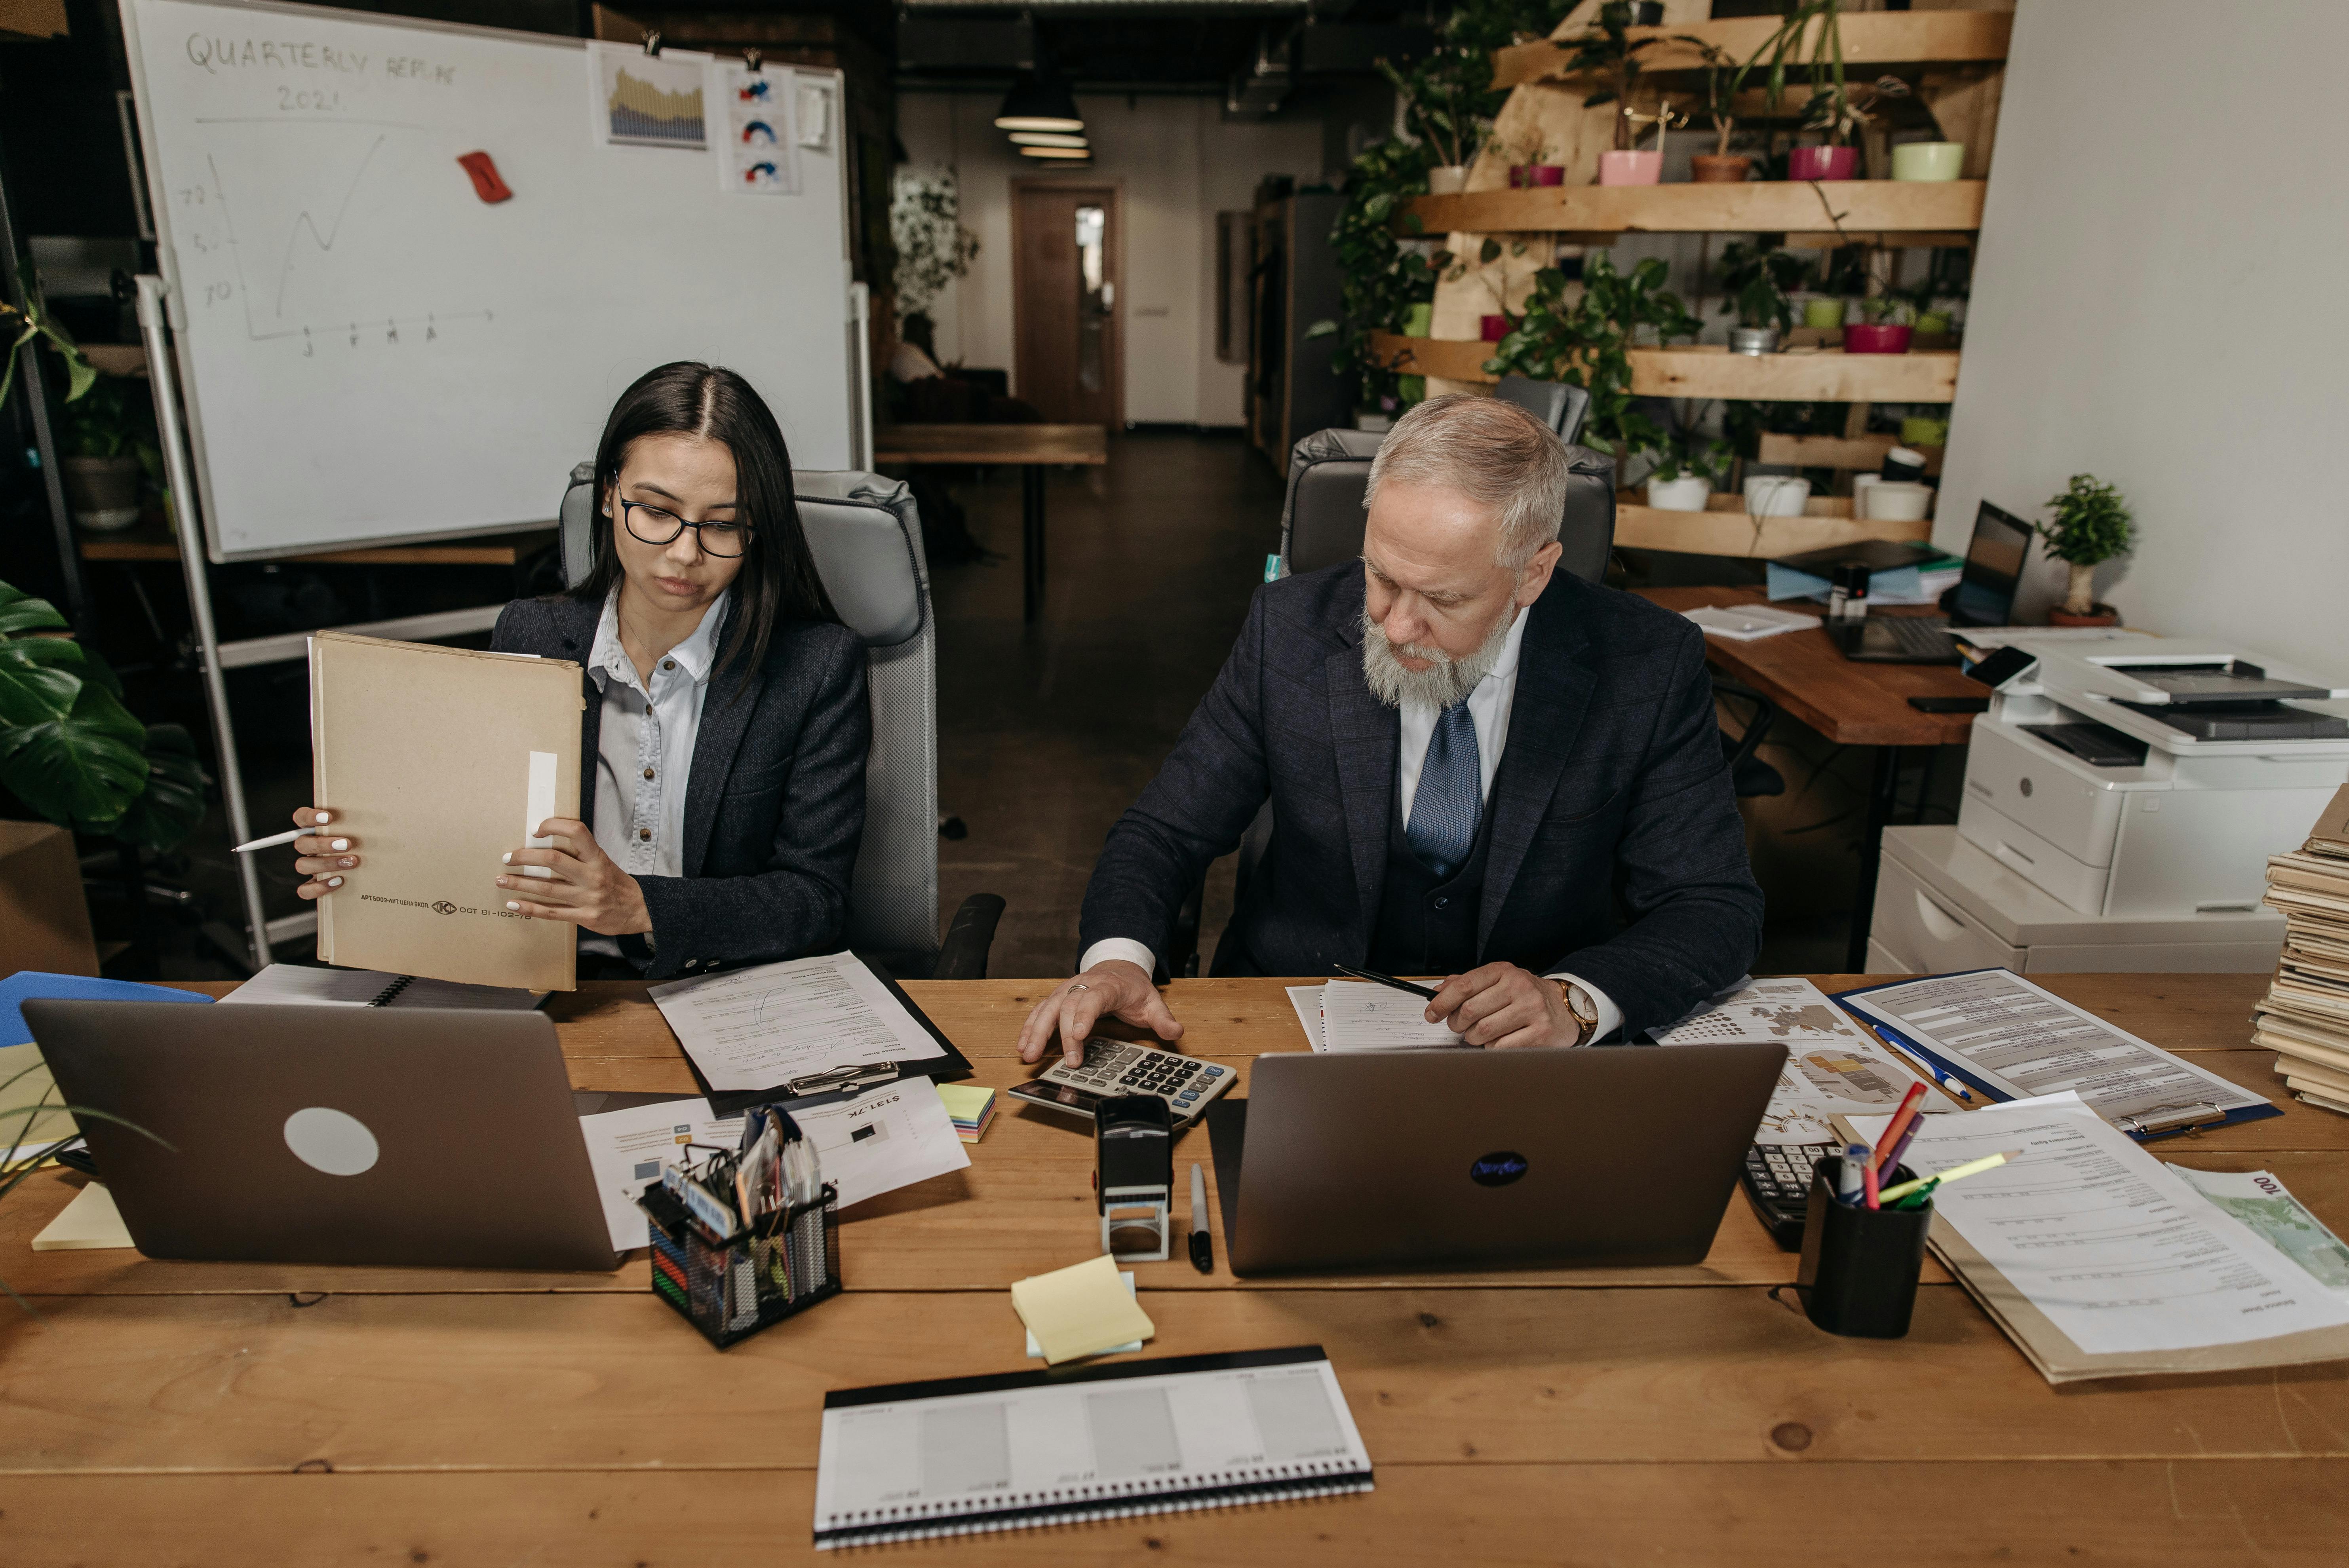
{"x":1850,"y":704}
{"x":229,"y":1413}
{"x":1034,"y":447}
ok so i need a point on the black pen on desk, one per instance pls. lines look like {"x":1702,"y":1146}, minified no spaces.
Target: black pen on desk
{"x":1373,"y":976}
{"x":1203,"y":1250}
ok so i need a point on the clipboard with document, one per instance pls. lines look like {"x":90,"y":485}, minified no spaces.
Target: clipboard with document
{"x":829,"y":1025}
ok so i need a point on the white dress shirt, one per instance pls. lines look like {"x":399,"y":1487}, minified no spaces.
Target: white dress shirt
{"x":643,"y":746}
{"x":1489,"y":710}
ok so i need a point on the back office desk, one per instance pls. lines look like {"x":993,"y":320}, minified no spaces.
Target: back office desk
{"x":1850,"y":704}
{"x":229,"y":1413}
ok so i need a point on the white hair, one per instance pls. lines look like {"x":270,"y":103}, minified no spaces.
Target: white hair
{"x":1445,"y":681}
{"x":1495,"y":453}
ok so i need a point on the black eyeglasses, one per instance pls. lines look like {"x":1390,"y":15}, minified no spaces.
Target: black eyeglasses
{"x":654,"y":525}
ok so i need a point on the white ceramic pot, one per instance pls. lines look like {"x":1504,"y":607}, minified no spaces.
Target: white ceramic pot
{"x":1687,"y":493}
{"x":1776,"y":495}
{"x":1447,"y":180}
{"x":1374,"y":422}
{"x":1898,"y":501}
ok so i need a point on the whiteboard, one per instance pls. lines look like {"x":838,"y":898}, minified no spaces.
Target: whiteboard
{"x":370,"y":351}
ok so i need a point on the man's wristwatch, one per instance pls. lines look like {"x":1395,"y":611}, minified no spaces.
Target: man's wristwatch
{"x":1584,"y":1010}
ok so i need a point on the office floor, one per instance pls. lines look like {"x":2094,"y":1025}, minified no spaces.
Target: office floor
{"x":1046,"y":733}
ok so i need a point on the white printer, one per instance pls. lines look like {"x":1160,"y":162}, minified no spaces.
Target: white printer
{"x":2138,"y":787}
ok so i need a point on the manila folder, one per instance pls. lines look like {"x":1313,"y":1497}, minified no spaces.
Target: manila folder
{"x":438,"y":761}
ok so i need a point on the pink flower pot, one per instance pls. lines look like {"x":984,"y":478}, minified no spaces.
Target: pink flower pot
{"x":1870,"y":338}
{"x":1631,"y":168}
{"x":1822,"y":162}
{"x":1495,"y":327}
{"x":1526,"y":176}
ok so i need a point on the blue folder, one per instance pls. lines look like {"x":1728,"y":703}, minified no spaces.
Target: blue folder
{"x":1955,"y":1071}
{"x":34,"y":984}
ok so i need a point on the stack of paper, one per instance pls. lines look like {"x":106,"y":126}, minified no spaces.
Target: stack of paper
{"x":2099,"y":1262}
{"x":2305,"y":1016}
{"x":971,"y":1107}
{"x":1362,"y":1016}
{"x":1745,"y":622}
{"x":1081,"y":1310}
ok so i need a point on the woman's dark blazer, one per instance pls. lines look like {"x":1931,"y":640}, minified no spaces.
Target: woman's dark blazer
{"x":774,"y":808}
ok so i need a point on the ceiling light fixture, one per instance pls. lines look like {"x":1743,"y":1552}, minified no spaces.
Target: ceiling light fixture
{"x":1046,"y":139}
{"x":1083,"y":153}
{"x":1038,"y":103}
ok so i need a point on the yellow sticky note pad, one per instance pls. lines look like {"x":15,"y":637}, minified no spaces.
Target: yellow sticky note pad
{"x":90,"y":1220}
{"x":1081,"y":1310}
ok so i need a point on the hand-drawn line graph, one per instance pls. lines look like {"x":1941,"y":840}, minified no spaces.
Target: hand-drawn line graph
{"x":305,"y":226}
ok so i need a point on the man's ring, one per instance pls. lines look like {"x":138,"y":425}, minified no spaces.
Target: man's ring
{"x":1080,"y":987}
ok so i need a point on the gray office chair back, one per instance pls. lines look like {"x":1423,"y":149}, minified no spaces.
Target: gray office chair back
{"x":867,"y":538}
{"x":1329,"y":472}
{"x":1560,"y":406}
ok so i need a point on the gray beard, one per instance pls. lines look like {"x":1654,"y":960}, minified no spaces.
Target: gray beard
{"x":1443,"y":682}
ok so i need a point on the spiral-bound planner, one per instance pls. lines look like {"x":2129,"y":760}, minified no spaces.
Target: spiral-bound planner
{"x":969,"y":1455}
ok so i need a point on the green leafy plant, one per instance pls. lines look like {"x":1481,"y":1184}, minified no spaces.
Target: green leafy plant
{"x":21,"y":1152}
{"x":933,"y":247}
{"x":1606,"y":50}
{"x":1584,"y":339}
{"x":33,"y":322}
{"x":1889,"y":309}
{"x":72,"y":752}
{"x":1724,"y":78}
{"x":114,"y":421}
{"x":1687,"y":452}
{"x":2092,"y":524}
{"x":1380,"y":275}
{"x":1757,"y":281}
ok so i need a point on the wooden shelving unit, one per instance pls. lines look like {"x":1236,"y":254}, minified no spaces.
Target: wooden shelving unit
{"x":1725,"y":528}
{"x":1869,"y":38}
{"x":1821,"y":375}
{"x":1595,"y":214}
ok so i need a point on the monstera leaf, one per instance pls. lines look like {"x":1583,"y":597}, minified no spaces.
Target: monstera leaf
{"x":82,"y":768}
{"x":41,"y":678}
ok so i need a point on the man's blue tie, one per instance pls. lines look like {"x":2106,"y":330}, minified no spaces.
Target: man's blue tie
{"x":1451,"y":796}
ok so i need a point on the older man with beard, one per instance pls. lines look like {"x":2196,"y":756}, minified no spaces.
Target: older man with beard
{"x":1472,"y":759}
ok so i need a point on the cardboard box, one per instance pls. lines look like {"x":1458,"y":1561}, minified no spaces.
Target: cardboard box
{"x":43,"y":919}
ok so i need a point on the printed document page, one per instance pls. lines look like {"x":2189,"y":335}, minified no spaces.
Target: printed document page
{"x":627,"y":1149}
{"x":1833,"y":1066}
{"x":1363,"y":1016}
{"x":2260,"y":1201}
{"x":883,"y":1140}
{"x":757,"y":1028}
{"x":2120,"y":1254}
{"x":2023,"y":1041}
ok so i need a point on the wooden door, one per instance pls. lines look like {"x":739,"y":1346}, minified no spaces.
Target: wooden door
{"x":1067,"y":277}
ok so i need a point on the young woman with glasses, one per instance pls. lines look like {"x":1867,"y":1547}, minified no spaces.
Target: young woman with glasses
{"x":723,"y":747}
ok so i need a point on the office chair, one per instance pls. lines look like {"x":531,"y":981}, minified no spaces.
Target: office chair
{"x":1322,"y":524}
{"x":867,"y":538}
{"x":1555,"y":403}
{"x":1748,"y":774}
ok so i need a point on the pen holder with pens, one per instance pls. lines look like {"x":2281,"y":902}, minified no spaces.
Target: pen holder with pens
{"x":1860,"y":1265}
{"x":781,"y":1263}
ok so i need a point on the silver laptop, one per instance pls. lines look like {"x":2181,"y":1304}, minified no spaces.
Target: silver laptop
{"x":331,"y":1135}
{"x":1468,"y":1159}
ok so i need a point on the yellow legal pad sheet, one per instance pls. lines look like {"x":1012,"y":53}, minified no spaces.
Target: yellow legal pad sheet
{"x":89,"y":1222}
{"x":1081,"y":1310}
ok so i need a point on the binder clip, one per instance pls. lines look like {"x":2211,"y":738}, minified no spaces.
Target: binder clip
{"x":754,"y":62}
{"x":652,"y":42}
{"x":1133,"y":1149}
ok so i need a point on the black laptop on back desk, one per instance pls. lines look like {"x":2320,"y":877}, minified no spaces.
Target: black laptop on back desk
{"x":1984,"y":596}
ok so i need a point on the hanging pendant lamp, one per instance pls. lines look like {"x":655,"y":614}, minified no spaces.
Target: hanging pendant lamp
{"x":1039,"y":103}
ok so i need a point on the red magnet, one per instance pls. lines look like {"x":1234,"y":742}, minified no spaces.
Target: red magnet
{"x":486,"y":184}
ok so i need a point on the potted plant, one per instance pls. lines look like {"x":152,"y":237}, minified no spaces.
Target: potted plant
{"x":1754,"y":282}
{"x":1686,"y":473}
{"x":1606,"y":50}
{"x":1637,"y":168}
{"x":1584,"y":340}
{"x":1886,"y":329}
{"x":1386,"y":277}
{"x":1527,"y":162}
{"x":73,"y":753}
{"x":1436,"y":111}
{"x":2091,"y":525}
{"x":1723,"y":79}
{"x":934,"y":247}
{"x":108,"y":449}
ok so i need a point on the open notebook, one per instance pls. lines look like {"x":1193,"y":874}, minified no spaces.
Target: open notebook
{"x":305,"y":984}
{"x":969,"y":1454}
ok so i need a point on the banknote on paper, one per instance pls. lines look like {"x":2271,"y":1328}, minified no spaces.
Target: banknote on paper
{"x":2276,"y":1217}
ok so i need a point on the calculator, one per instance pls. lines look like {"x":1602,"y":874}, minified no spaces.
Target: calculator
{"x":1114,"y":1068}
{"x":1777,"y":1182}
